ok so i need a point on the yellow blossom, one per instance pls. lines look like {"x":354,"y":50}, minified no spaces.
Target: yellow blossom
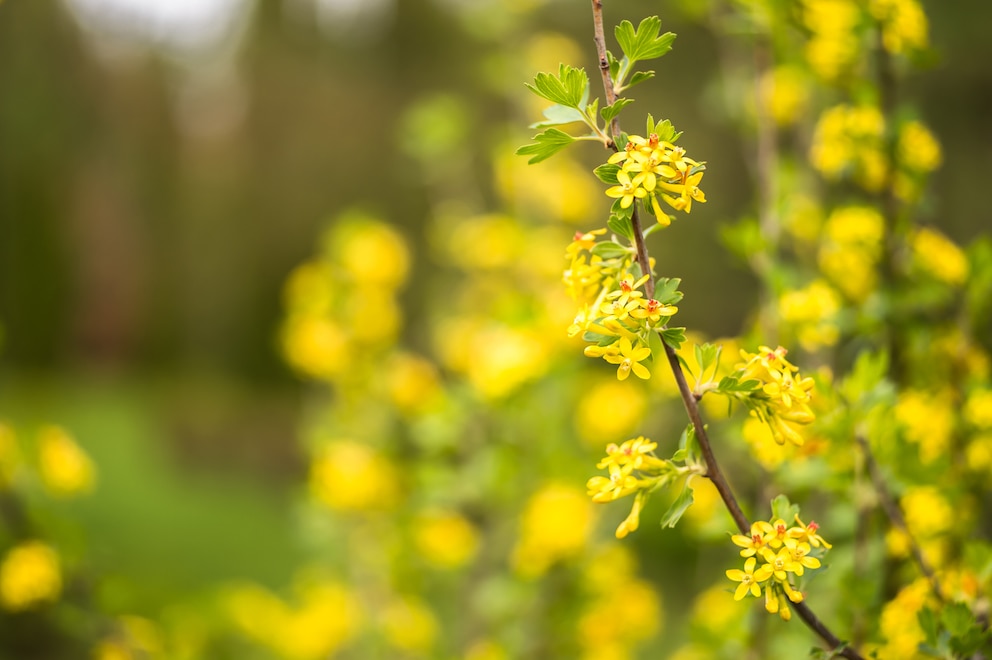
{"x":610,"y":408}
{"x":918,"y":149}
{"x":350,"y":476}
{"x":785,"y":94}
{"x":554,"y":526}
{"x":928,"y":421}
{"x":445,"y":539}
{"x":413,"y":383}
{"x":315,"y":346}
{"x":65,"y":468}
{"x":939,"y":256}
{"x":904,"y":25}
{"x":370,"y":252}
{"x":30,"y":574}
{"x":749,"y":582}
{"x":409,"y":625}
{"x":927,"y":511}
{"x":629,"y":359}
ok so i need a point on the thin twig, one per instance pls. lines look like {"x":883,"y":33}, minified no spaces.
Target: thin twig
{"x":894,"y":513}
{"x":689,"y":401}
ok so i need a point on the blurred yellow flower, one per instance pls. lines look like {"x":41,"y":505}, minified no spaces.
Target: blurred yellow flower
{"x":918,"y":149}
{"x":928,"y":512}
{"x":316,"y":347}
{"x":554,"y":525}
{"x":413,"y":383}
{"x":325,"y":617}
{"x":978,"y":454}
{"x":370,"y":252}
{"x":928,"y":421}
{"x":484,"y":242}
{"x":29,"y":575}
{"x":65,"y":468}
{"x":978,"y":409}
{"x":785,"y":94}
{"x":351,"y":476}
{"x":847,"y":141}
{"x":811,"y":311}
{"x":833,"y":46}
{"x":769,"y":453}
{"x":610,"y":409}
{"x":445,"y":538}
{"x":485,"y":649}
{"x":939,"y":256}
{"x":899,"y":623}
{"x":309,"y":289}
{"x":409,"y":625}
{"x":904,"y":24}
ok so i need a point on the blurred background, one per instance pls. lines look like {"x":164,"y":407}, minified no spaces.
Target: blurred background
{"x":164,"y":166}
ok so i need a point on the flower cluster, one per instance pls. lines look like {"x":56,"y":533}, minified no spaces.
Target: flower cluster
{"x":634,"y":470}
{"x":782,"y":550}
{"x":651,"y":168}
{"x":781,"y":397}
{"x":615,"y":315}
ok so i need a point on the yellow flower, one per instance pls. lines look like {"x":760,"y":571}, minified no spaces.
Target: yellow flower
{"x":445,"y":539}
{"x":785,"y":94}
{"x":554,"y":526}
{"x":610,"y":408}
{"x":409,"y":625}
{"x":904,"y":25}
{"x":626,"y":191}
{"x":29,"y":575}
{"x":370,"y":252}
{"x":939,"y":256}
{"x":749,"y":581}
{"x":350,"y":476}
{"x":65,"y":469}
{"x":918,"y":149}
{"x":756,"y":542}
{"x":629,"y":359}
{"x":928,"y":421}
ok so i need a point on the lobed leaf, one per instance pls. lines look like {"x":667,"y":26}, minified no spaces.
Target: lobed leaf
{"x":644,"y":43}
{"x":611,"y":111}
{"x":547,"y":144}
{"x":569,"y":88}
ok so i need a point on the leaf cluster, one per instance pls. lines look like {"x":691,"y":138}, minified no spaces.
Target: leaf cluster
{"x":569,"y":92}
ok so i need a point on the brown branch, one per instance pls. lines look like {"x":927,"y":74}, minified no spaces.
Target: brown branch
{"x":689,"y":401}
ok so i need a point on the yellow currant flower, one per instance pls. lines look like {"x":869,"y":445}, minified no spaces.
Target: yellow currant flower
{"x":653,"y":311}
{"x":626,"y":191}
{"x":619,"y":484}
{"x":777,"y":533}
{"x":633,"y":519}
{"x":629,"y":359}
{"x":808,"y":533}
{"x":749,"y":580}
{"x":799,"y":553}
{"x":778,"y":565}
{"x":754,"y":543}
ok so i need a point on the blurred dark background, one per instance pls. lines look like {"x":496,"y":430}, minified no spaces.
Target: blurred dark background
{"x":163,"y":166}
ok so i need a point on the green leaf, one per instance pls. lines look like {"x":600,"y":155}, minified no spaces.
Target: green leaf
{"x":957,"y":618}
{"x":928,"y":622}
{"x":690,"y":443}
{"x":678,"y":507}
{"x":619,"y":210}
{"x":666,"y":290}
{"x":666,"y":131}
{"x":607,"y":173}
{"x":674,"y":337}
{"x":706,"y":356}
{"x":621,"y":141}
{"x":611,"y":111}
{"x":784,"y":509}
{"x":644,"y":43}
{"x":614,"y":65}
{"x":569,"y":88}
{"x":638,"y":77}
{"x":730,"y":384}
{"x":557,"y":114}
{"x":621,"y":225}
{"x":609,"y":250}
{"x":595,"y":337}
{"x":548,"y":144}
